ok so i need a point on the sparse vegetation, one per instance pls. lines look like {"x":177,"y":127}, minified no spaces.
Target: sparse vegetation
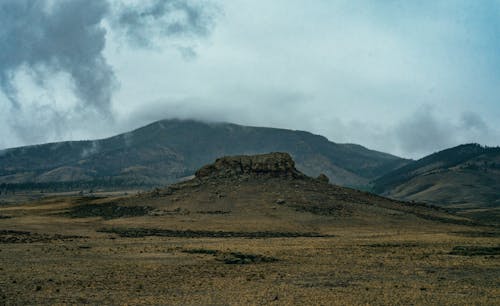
{"x":213,"y":212}
{"x":201,"y":251}
{"x":478,"y":233}
{"x":394,"y":245}
{"x":13,"y":236}
{"x":233,"y":258}
{"x":144,"y":232}
{"x":237,"y":258}
{"x":107,"y":211}
{"x":475,"y":250}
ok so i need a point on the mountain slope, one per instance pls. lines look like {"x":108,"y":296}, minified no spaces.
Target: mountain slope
{"x":465,"y":178}
{"x":168,"y":150}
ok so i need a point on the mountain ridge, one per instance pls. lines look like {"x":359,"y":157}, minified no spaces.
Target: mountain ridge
{"x":465,"y":178}
{"x":165,"y":151}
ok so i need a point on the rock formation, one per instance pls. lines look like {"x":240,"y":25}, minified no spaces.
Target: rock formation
{"x":323,"y":178}
{"x":275,"y":164}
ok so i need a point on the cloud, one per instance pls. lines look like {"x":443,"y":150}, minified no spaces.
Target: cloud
{"x":147,"y":22}
{"x":472,"y":121}
{"x":424,"y":131}
{"x":353,"y":71}
{"x":50,"y":37}
{"x":93,"y":149}
{"x":45,"y":40}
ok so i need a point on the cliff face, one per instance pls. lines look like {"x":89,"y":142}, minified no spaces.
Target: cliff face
{"x":263,"y":165}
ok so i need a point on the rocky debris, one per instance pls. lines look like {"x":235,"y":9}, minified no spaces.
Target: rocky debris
{"x":11,"y":236}
{"x":280,"y":201}
{"x":214,"y":212}
{"x":233,"y":258}
{"x":237,"y":258}
{"x":394,"y":245}
{"x":201,"y":251}
{"x":144,"y":232}
{"x":172,"y":189}
{"x":323,"y":178}
{"x":268,"y":165}
{"x":107,"y":211}
{"x":475,"y":250}
{"x":166,"y":212}
{"x":324,"y":210}
{"x":477,"y":233}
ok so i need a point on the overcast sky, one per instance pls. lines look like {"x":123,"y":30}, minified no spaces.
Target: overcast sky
{"x":405,"y":77}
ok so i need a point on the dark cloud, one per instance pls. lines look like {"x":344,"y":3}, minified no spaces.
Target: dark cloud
{"x":44,"y":39}
{"x":424,"y":132}
{"x":148,"y":21}
{"x":472,"y":121}
{"x":59,"y":36}
{"x":69,"y":36}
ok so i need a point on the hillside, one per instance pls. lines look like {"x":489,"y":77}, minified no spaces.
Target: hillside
{"x":465,"y":178}
{"x":168,"y":150}
{"x":258,"y":184}
{"x":245,"y":230}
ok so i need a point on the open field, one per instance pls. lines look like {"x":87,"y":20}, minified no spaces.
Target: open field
{"x":51,"y":257}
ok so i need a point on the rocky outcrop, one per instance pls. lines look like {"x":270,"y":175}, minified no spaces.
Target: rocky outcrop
{"x":263,"y":165}
{"x":323,"y":178}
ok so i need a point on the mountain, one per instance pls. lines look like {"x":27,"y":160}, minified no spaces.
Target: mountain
{"x":168,"y":150}
{"x":465,"y":178}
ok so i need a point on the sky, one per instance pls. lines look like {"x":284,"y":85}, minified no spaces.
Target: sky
{"x":405,"y":77}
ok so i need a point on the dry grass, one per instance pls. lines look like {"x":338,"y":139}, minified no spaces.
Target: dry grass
{"x":405,"y":262}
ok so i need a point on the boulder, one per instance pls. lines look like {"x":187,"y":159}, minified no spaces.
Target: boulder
{"x":323,"y":178}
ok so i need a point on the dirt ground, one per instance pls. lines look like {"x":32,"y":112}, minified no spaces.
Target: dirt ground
{"x":47,"y":257}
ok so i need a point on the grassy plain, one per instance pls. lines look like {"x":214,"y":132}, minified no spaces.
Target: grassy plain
{"x":48,"y":256}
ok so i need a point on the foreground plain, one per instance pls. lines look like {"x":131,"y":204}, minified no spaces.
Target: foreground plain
{"x":356,"y":265}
